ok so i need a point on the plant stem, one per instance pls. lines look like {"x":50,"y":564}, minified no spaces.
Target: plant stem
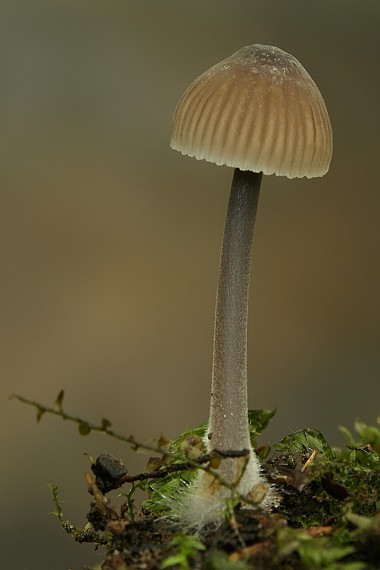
{"x":228,"y":423}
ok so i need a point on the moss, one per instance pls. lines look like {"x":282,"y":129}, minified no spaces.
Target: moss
{"x":328,"y":517}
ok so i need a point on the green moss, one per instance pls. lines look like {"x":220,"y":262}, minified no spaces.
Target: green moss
{"x":328,"y":517}
{"x":340,"y":481}
{"x":160,"y":490}
{"x":184,"y":550}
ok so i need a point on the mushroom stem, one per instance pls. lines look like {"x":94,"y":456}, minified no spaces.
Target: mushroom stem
{"x":228,"y":422}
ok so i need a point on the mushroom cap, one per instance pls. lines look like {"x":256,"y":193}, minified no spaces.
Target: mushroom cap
{"x":257,"y":110}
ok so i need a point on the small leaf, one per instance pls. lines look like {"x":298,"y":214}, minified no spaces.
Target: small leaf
{"x":174,"y":560}
{"x":154,"y":463}
{"x":162,"y":441}
{"x":352,"y":456}
{"x":192,"y":446}
{"x":363,"y":523}
{"x":134,"y":446}
{"x":220,"y":561}
{"x":106,"y":424}
{"x":84,"y":428}
{"x":259,"y":419}
{"x":40,"y":412}
{"x":59,"y":400}
{"x":58,"y":508}
{"x":305,"y":440}
{"x":348,"y":435}
{"x":215,"y":460}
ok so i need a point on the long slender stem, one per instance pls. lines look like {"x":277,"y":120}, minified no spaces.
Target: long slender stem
{"x":228,"y":423}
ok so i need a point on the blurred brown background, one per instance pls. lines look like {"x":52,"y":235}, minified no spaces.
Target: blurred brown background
{"x":110,"y":240}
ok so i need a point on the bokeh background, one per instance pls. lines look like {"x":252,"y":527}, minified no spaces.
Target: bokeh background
{"x":110,"y":241}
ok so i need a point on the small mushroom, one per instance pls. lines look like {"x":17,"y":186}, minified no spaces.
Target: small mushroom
{"x":258,"y":111}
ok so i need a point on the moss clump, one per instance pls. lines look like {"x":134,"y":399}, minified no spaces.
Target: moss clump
{"x":328,"y":517}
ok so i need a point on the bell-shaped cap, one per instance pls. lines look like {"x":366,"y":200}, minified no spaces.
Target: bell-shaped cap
{"x":257,"y":110}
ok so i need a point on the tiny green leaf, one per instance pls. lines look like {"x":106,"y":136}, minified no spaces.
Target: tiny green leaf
{"x":348,"y":435}
{"x":186,"y":547}
{"x":259,"y":419}
{"x":58,"y":508}
{"x":174,"y":560}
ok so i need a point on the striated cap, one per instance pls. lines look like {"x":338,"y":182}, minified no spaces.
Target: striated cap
{"x":257,"y":110}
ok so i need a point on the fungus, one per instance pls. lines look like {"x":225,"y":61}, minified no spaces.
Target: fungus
{"x":260,"y":112}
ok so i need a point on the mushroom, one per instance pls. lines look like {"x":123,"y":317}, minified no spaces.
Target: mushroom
{"x":258,"y":111}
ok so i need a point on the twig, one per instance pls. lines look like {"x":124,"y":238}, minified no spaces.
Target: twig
{"x":309,"y":460}
{"x":87,"y":535}
{"x":184,"y":466}
{"x":86,"y":427}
